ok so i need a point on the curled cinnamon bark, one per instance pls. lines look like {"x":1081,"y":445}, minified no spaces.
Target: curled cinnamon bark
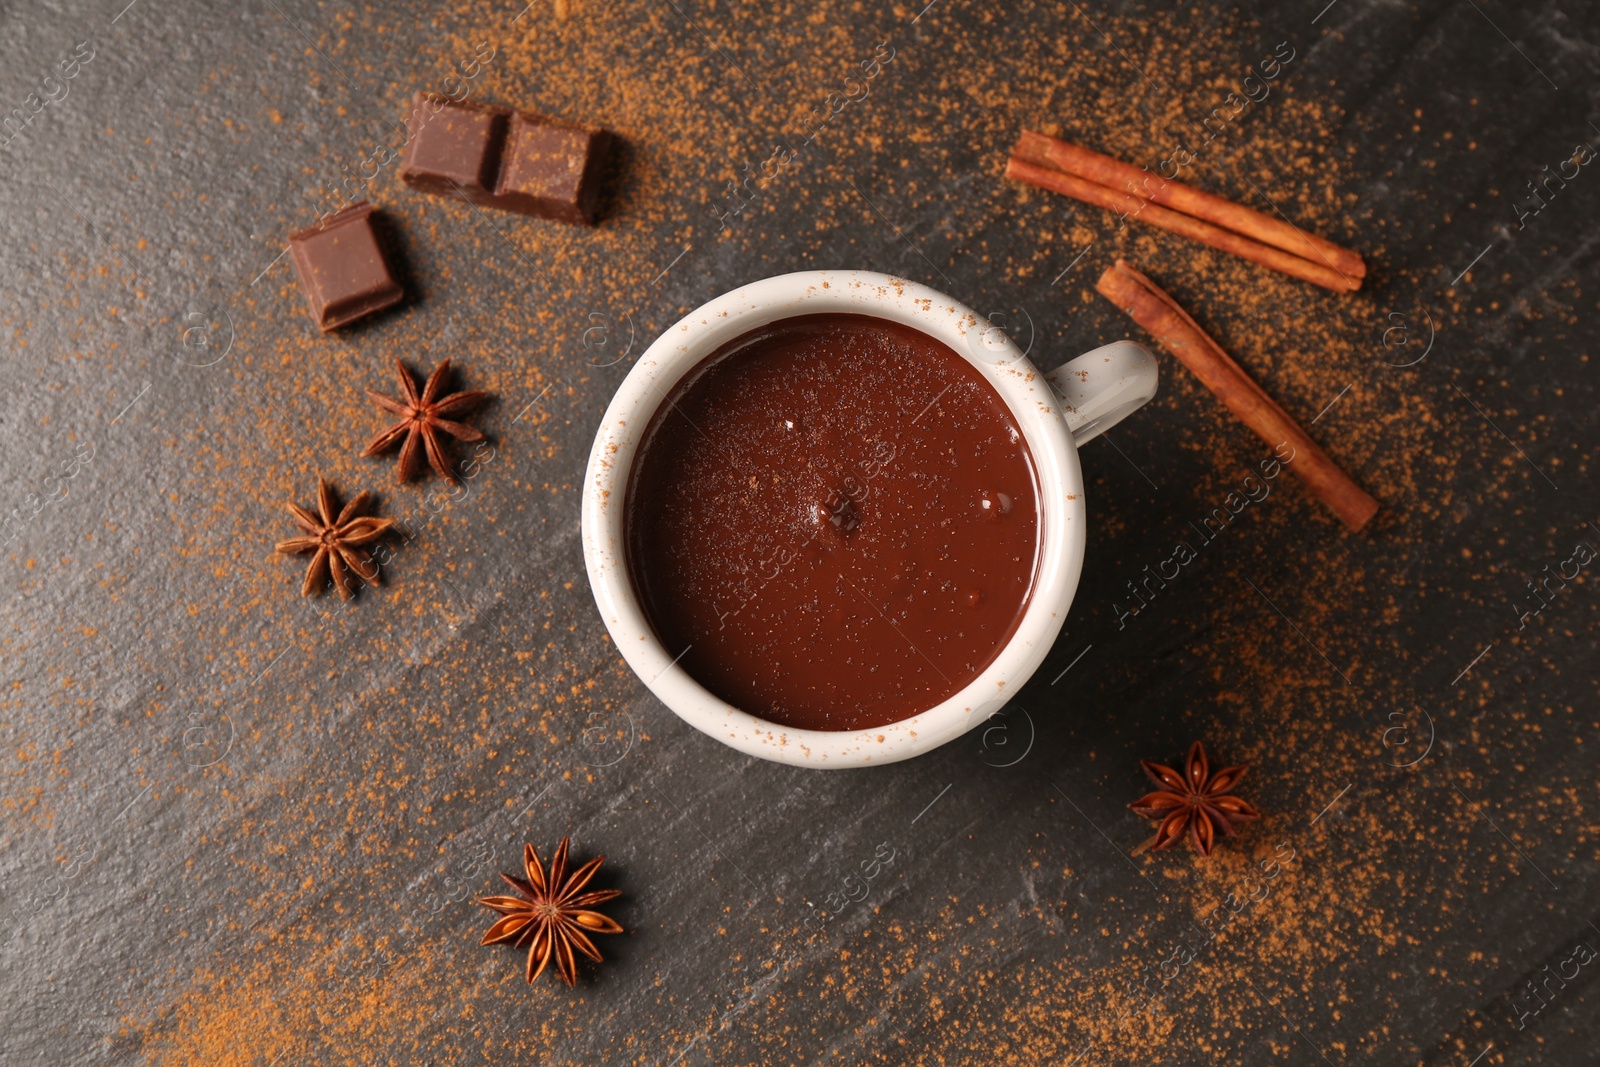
{"x":1063,"y":156}
{"x":1147,"y":304}
{"x":1131,"y":206}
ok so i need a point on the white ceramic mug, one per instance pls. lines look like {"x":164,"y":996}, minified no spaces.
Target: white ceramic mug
{"x":1056,"y":412}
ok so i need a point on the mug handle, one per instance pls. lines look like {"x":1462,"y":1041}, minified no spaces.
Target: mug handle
{"x":1101,"y":388}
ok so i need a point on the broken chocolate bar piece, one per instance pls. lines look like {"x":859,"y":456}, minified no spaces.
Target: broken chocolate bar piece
{"x":506,"y":159}
{"x":455,"y":147}
{"x":552,"y":169}
{"x":342,"y":269}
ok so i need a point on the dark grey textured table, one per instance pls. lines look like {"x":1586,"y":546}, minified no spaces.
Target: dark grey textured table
{"x":243,"y":827}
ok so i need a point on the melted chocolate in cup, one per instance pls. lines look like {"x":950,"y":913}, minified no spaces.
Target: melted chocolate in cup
{"x":838,"y":518}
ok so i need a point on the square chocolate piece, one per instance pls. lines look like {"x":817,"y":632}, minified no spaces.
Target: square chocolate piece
{"x":342,"y":269}
{"x":454,"y":147}
{"x":507,"y":159}
{"x":552,"y":169}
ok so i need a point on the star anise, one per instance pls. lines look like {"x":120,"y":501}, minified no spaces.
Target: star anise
{"x":422,"y":417}
{"x":551,"y":914}
{"x":1194,"y":802}
{"x":336,"y":536}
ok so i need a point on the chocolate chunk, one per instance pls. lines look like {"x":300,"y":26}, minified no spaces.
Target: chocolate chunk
{"x":511,"y":160}
{"x":552,"y":169}
{"x":455,"y":147}
{"x":342,"y":269}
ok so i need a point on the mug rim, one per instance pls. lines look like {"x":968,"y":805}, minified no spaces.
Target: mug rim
{"x":1062,"y":522}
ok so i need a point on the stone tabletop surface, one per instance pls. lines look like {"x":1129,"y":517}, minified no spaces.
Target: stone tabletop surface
{"x":245,"y":827}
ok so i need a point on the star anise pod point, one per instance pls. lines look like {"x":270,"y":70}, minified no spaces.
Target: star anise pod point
{"x":551,"y":913}
{"x":1195,"y":804}
{"x":336,"y":537}
{"x":424,"y":417}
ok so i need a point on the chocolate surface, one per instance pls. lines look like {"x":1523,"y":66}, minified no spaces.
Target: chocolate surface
{"x":552,"y":169}
{"x":514,"y":161}
{"x":342,"y":268}
{"x":456,"y":149}
{"x":834,"y":519}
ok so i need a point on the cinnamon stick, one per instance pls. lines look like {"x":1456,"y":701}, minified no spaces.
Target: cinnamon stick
{"x":1106,"y":170}
{"x":1175,"y":222}
{"x":1148,"y":305}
